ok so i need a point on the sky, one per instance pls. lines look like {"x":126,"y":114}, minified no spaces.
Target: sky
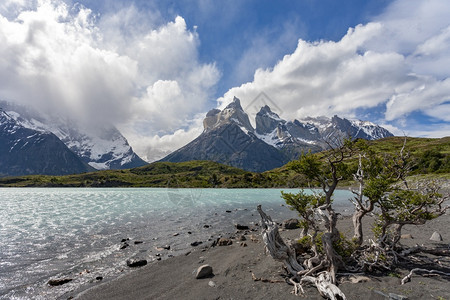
{"x":154,"y":68}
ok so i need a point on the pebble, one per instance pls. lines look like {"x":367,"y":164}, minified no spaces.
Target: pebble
{"x":241,"y":227}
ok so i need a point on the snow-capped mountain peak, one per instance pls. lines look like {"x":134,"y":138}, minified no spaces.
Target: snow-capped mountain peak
{"x":102,"y":148}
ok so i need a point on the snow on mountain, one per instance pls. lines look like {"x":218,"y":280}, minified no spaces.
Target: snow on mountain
{"x":25,"y":151}
{"x":101,"y":148}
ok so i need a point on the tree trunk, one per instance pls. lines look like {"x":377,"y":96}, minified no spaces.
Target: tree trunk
{"x":357,"y":225}
{"x":324,"y":281}
{"x":397,"y":234}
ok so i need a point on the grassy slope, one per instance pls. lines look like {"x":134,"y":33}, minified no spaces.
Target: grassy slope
{"x":211,"y":174}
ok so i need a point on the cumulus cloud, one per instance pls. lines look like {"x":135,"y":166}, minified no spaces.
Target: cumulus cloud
{"x":397,"y":63}
{"x":145,"y":78}
{"x":326,"y":77}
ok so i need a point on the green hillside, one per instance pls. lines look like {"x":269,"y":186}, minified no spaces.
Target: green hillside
{"x":432,"y":157}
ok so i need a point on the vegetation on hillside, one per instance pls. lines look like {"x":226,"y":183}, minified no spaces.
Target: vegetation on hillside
{"x":431,"y":158}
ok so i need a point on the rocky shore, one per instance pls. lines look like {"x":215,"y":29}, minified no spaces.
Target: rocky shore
{"x":236,"y":267}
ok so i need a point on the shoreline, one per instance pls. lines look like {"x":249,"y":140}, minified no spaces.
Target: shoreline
{"x":233,"y":266}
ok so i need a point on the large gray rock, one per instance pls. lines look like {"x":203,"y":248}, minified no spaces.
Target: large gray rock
{"x":436,"y":237}
{"x":204,"y":271}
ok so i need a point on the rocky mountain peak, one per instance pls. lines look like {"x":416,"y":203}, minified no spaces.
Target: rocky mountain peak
{"x":232,"y":113}
{"x":235,"y":104}
{"x":266,"y":120}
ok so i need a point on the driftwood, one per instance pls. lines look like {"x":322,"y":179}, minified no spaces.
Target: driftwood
{"x":280,"y":251}
{"x":407,"y":278}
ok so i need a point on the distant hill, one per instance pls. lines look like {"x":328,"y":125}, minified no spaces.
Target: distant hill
{"x":432,"y":157}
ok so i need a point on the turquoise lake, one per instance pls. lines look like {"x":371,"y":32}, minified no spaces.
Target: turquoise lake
{"x":76,"y":233}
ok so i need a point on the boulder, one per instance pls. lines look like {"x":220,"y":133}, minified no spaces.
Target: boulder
{"x":196,"y":243}
{"x":436,"y":237}
{"x":204,"y":271}
{"x":134,"y":263}
{"x":290,"y":224}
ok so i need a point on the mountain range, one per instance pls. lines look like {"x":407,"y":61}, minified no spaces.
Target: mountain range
{"x":92,"y":148}
{"x":229,"y":137}
{"x":35,"y":143}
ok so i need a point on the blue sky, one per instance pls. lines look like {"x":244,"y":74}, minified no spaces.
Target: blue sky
{"x":154,"y":68}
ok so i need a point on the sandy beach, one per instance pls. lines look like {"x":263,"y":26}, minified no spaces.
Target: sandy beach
{"x":234,"y":264}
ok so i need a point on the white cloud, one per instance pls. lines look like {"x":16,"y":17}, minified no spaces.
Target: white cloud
{"x":146,"y":78}
{"x":155,"y":147}
{"x":399,"y":62}
{"x":324,"y":78}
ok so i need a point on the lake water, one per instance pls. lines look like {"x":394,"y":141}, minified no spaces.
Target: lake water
{"x":49,"y":233}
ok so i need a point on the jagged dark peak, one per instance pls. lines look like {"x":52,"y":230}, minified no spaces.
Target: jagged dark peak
{"x":266,"y":111}
{"x":236,"y":104}
{"x":266,"y":120}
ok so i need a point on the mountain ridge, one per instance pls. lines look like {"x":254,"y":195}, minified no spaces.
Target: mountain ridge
{"x":27,"y":151}
{"x":101,"y":148}
{"x":228,"y":137}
